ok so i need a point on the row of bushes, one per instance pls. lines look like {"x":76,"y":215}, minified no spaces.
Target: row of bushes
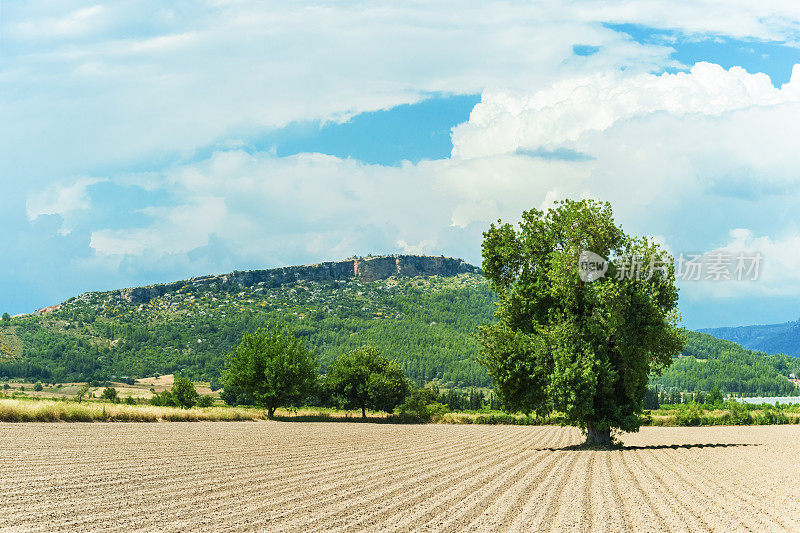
{"x":729,"y":414}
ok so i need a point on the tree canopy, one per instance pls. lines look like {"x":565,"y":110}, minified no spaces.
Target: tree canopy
{"x":110,"y":393}
{"x":585,"y":349}
{"x":184,"y":392}
{"x":270,"y":370}
{"x":365,"y":379}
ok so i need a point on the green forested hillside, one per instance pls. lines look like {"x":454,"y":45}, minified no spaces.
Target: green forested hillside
{"x":709,"y":362}
{"x":426,"y":323}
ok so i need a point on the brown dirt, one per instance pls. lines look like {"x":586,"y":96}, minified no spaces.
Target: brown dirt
{"x":344,"y":476}
{"x":140,"y":390}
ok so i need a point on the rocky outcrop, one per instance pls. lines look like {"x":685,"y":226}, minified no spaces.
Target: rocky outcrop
{"x":362,"y":269}
{"x":140,"y":295}
{"x":47,"y":310}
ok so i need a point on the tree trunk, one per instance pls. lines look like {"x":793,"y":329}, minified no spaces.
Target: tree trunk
{"x":597,"y":436}
{"x":363,"y":412}
{"x":270,"y":412}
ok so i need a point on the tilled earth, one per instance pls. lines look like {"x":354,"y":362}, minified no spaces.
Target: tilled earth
{"x":379,"y":477}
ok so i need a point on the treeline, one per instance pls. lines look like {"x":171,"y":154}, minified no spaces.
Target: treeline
{"x":271,"y":369}
{"x":469,"y":400}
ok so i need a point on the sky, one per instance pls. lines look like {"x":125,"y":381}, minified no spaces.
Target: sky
{"x":150,"y":141}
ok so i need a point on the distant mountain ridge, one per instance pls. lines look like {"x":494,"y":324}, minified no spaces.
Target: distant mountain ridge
{"x":769,"y":338}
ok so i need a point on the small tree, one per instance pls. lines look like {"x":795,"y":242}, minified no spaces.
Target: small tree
{"x":109,"y":393}
{"x":365,"y":379}
{"x":6,"y":318}
{"x":38,"y":387}
{"x":82,"y":392}
{"x":184,"y":392}
{"x":715,"y":396}
{"x":269,"y":369}
{"x":581,"y":345}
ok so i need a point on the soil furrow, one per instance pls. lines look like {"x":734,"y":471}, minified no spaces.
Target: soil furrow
{"x":527,"y":520}
{"x":300,"y":476}
{"x":412,"y":491}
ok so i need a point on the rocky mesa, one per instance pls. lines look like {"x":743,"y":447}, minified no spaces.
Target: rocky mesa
{"x":363,"y":269}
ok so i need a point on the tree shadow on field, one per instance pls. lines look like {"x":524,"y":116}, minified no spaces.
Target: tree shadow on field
{"x":584,"y":447}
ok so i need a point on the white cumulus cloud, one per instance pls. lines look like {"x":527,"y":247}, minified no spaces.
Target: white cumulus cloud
{"x":504,"y":122}
{"x":61,"y":200}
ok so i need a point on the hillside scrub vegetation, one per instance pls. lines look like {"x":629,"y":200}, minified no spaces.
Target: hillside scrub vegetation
{"x":706,"y":363}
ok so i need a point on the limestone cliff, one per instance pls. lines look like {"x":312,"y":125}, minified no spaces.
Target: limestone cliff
{"x":363,"y":269}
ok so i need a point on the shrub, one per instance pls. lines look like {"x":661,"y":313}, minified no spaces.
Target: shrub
{"x":771,"y":416}
{"x":423,"y":405}
{"x":109,"y":393}
{"x":164,"y":399}
{"x":129,"y":400}
{"x":38,"y":387}
{"x":688,"y":415}
{"x":82,"y":391}
{"x":739,"y":414}
{"x":205,"y":401}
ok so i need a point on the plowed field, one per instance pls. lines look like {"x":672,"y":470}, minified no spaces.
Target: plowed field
{"x":345,"y":476}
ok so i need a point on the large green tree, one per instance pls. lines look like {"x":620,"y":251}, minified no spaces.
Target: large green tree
{"x":364,"y":379}
{"x":270,"y":369}
{"x":583,"y":348}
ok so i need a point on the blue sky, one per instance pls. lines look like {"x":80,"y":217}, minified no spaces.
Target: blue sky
{"x":152,"y":141}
